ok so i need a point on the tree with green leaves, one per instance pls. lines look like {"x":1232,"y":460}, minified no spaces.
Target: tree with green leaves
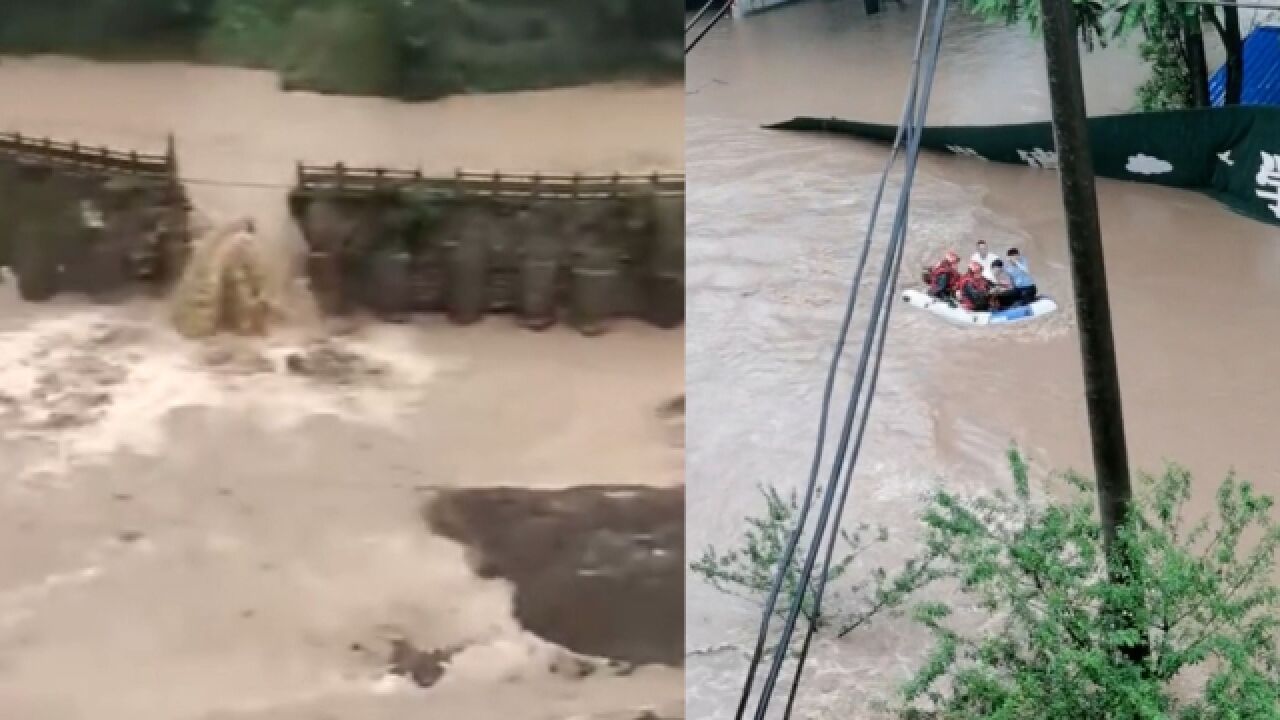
{"x":1034,"y":626}
{"x":1172,"y":41}
{"x":748,"y":571}
{"x":1200,"y":594}
{"x":413,"y":49}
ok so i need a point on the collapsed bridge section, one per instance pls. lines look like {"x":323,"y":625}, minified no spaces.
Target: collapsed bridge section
{"x":585,"y":248}
{"x":89,"y":219}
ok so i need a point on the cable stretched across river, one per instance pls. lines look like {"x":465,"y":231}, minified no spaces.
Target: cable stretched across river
{"x":892,"y":272}
{"x":701,"y":11}
{"x":728,"y":5}
{"x":914,"y":113}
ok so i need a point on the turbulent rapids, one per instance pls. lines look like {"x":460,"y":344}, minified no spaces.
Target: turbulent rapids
{"x":223,"y":287}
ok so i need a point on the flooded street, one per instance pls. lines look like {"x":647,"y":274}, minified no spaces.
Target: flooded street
{"x":776,"y":221}
{"x":219,"y":531}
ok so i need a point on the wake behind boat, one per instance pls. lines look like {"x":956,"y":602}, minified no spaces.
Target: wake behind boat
{"x":953,"y":313}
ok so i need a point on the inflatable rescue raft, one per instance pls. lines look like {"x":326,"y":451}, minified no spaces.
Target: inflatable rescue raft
{"x":959,"y":316}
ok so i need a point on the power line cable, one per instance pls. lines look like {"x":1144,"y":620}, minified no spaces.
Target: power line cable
{"x":878,"y":323}
{"x":829,"y":388}
{"x":893,"y":260}
{"x":1226,"y":3}
{"x":723,"y":11}
{"x":891,"y":272}
{"x":698,"y":16}
{"x":235,"y":183}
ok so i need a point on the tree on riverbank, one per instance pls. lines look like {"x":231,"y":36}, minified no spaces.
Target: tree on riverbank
{"x":414,"y":49}
{"x":1037,"y":629}
{"x":748,"y":571}
{"x":1172,"y":42}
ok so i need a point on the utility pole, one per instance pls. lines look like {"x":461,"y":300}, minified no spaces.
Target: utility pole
{"x":1088,"y":276}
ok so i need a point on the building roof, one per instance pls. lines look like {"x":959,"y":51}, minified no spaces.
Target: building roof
{"x":1261,"y":70}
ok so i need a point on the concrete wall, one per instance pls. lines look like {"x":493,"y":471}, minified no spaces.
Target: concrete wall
{"x":88,"y":220}
{"x":548,"y":249}
{"x":545,"y":248}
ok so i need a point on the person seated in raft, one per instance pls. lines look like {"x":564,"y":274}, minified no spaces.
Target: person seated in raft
{"x":942,"y":279}
{"x":974,"y":292}
{"x":1016,"y":266}
{"x":984,"y":257}
{"x":1003,"y":293}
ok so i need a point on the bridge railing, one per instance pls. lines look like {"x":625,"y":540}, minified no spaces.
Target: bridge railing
{"x":342,"y":178}
{"x":74,"y":154}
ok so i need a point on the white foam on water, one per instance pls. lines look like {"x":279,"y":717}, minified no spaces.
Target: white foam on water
{"x":16,"y":604}
{"x":392,"y":684}
{"x":19,"y":603}
{"x":521,"y":656}
{"x":324,"y":690}
{"x":92,"y":382}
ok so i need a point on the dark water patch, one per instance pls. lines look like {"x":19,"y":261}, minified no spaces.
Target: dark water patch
{"x":598,"y":570}
{"x":672,"y":408}
{"x":424,"y":667}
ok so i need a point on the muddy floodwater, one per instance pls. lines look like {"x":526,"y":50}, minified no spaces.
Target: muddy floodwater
{"x":775,"y":222}
{"x":236,"y":529}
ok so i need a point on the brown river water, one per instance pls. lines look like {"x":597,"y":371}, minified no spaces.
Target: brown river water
{"x":193,"y":533}
{"x":775,"y":224}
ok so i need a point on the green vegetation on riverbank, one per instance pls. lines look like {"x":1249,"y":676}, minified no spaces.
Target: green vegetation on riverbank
{"x":1172,"y":42}
{"x":413,"y":49}
{"x":1033,"y":626}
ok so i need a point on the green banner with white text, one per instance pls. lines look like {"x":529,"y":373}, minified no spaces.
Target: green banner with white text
{"x":1232,"y":153}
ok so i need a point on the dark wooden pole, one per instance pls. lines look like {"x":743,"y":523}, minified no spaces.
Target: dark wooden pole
{"x":1234,"y":44}
{"x":1088,"y":276}
{"x":1194,"y":35}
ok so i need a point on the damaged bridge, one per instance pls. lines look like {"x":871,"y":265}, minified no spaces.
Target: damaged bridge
{"x":585,"y":248}
{"x":89,"y":219}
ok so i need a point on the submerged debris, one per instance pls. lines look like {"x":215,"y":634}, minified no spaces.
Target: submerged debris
{"x":325,"y":361}
{"x":672,"y":412}
{"x":237,"y":360}
{"x":424,"y":667}
{"x":673,"y":407}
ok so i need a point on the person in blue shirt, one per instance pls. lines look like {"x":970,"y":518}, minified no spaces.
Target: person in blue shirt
{"x":1024,"y":285}
{"x":1003,"y":293}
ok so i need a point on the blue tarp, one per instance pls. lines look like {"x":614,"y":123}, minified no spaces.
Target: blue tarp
{"x":1261,"y":70}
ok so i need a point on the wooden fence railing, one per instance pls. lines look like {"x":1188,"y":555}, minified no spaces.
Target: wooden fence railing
{"x":504,"y":185}
{"x":74,"y":154}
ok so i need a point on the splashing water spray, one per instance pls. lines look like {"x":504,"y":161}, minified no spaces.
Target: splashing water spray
{"x":235,"y":282}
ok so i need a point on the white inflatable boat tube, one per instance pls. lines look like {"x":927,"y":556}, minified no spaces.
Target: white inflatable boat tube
{"x":959,"y":316}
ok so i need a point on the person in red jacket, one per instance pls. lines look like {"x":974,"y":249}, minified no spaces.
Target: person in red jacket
{"x":974,"y":291}
{"x":942,"y":279}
